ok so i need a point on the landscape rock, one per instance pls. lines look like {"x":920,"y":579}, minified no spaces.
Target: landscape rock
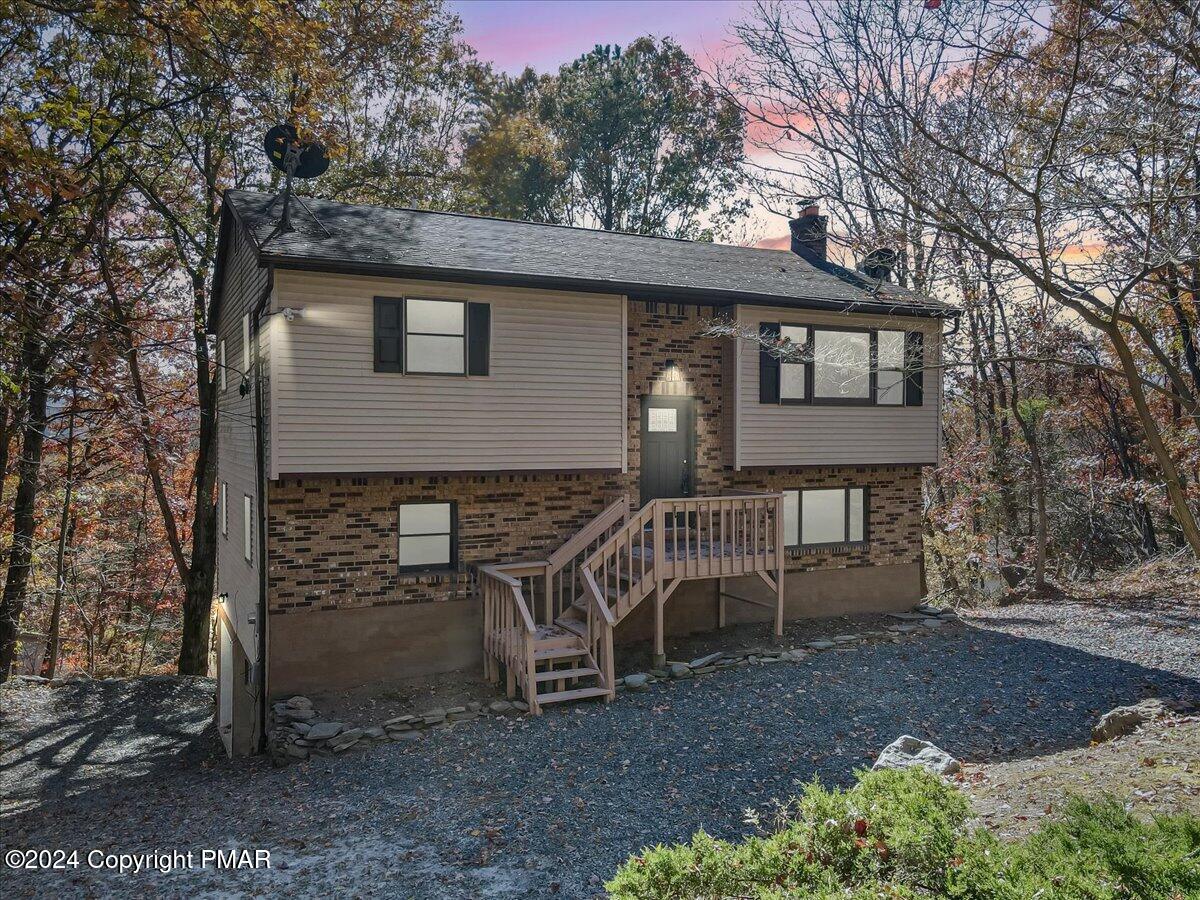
{"x":932,"y":624}
{"x":322,"y":731}
{"x":680,"y":670}
{"x":639,"y":681}
{"x":1126,"y":719}
{"x":907,"y":752}
{"x":299,"y":702}
{"x":500,"y":707}
{"x":706,"y":660}
{"x":820,"y":645}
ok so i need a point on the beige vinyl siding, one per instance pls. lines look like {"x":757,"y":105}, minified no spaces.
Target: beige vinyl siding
{"x":817,"y":435}
{"x":244,"y":285}
{"x":553,"y":399}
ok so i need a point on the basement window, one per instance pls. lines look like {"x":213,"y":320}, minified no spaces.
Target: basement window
{"x":428,"y":537}
{"x":825,"y":517}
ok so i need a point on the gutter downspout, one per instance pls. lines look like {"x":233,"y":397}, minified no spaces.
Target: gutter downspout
{"x":260,"y":481}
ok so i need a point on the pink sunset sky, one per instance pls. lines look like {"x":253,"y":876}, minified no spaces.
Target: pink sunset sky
{"x":544,"y":34}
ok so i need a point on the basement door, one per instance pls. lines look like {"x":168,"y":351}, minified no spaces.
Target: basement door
{"x":668,"y":447}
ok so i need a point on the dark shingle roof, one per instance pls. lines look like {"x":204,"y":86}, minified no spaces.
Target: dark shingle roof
{"x":454,"y":246}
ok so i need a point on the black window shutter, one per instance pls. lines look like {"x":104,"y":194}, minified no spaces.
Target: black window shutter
{"x":479,"y":336}
{"x":768,"y":364}
{"x":389,"y":335}
{"x":914,"y":359}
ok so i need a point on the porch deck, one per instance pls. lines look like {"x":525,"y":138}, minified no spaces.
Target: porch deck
{"x":604,"y":572}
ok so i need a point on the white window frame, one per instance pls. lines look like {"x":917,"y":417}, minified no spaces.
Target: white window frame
{"x":896,"y":395}
{"x":408,"y":334}
{"x":248,"y":528}
{"x":451,"y":562}
{"x":793,"y":500}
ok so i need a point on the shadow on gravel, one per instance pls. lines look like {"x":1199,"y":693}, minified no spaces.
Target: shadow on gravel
{"x":92,"y":733}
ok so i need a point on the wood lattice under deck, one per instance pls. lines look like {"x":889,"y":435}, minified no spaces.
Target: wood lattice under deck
{"x":597,"y":578}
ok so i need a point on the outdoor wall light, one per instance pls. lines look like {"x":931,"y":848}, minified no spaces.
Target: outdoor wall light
{"x":291,"y":312}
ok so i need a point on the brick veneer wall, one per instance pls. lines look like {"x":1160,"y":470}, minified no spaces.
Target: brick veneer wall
{"x":332,"y":541}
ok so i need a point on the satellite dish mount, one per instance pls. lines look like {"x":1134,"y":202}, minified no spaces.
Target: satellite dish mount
{"x":295,"y":159}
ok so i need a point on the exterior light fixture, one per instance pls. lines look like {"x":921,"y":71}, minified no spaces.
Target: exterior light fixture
{"x":291,"y":312}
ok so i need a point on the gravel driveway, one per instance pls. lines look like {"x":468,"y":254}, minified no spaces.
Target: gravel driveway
{"x":534,"y":807}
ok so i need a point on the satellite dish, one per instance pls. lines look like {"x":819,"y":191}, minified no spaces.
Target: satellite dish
{"x":878,"y":264}
{"x":295,"y":159}
{"x":292,"y":157}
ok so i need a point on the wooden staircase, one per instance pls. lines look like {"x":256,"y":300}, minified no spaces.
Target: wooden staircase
{"x":562,"y":649}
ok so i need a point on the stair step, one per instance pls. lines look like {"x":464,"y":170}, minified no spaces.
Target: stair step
{"x":576,"y":694}
{"x":558,"y":653}
{"x":557,"y":674}
{"x":576,"y":626}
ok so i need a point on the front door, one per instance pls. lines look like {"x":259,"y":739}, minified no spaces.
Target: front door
{"x":668,"y":447}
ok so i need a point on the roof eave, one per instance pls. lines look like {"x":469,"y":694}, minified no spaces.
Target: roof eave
{"x":633,"y":291}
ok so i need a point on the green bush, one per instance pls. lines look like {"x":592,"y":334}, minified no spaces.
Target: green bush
{"x":903,"y":835}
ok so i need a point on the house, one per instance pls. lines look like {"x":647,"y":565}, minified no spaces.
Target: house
{"x":448,"y":441}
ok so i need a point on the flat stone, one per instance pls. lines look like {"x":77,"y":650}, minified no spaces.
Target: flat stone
{"x":399,"y":720}
{"x":639,"y":681}
{"x":520,"y":705}
{"x":322,"y":731}
{"x":680,"y":670}
{"x":301,"y":727}
{"x":770,"y":659}
{"x":299,"y":702}
{"x":297,"y":752}
{"x":436,"y":712}
{"x":932,"y":624}
{"x":908,"y":752}
{"x":375,"y":731}
{"x":704,"y":670}
{"x":345,"y":738}
{"x":465,"y":716}
{"x":341,"y":748}
{"x":659,"y":673}
{"x":845,"y":638}
{"x":703,"y":661}
{"x":406,"y":735}
{"x":455,"y":710}
{"x":901,"y":629}
{"x":907,"y":616}
{"x":500,"y":707}
{"x":820,"y":645}
{"x":475,"y":706}
{"x":928,"y":609}
{"x":395,"y":729}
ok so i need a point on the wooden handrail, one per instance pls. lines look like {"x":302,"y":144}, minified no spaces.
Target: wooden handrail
{"x":590,"y":580}
{"x":517,"y":595}
{"x":613,"y":513}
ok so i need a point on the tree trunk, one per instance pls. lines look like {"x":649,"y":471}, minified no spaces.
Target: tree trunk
{"x":50,"y":663}
{"x":24,"y":505}
{"x":198,"y":583}
{"x":1179,"y":502}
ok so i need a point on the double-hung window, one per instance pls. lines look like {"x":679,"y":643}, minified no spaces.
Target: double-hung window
{"x":825,"y":517}
{"x":428,"y":537}
{"x":839,"y":366}
{"x":794,"y":363}
{"x":416,"y":336}
{"x":889,"y":368}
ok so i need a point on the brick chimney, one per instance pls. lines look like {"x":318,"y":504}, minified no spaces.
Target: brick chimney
{"x":808,"y":235}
